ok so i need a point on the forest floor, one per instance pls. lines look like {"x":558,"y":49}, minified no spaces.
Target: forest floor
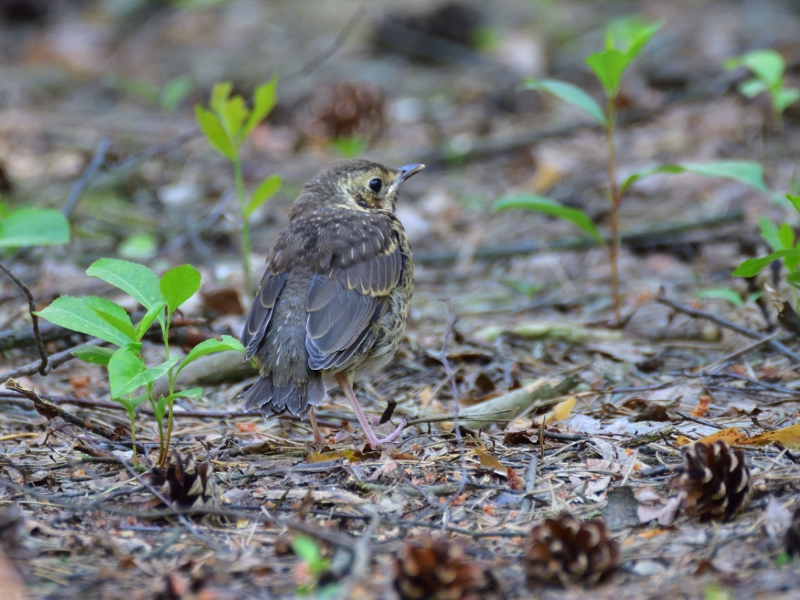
{"x":531,"y":301}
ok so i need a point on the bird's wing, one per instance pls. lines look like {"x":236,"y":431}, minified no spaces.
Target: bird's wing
{"x":341,"y":306}
{"x":261,"y":311}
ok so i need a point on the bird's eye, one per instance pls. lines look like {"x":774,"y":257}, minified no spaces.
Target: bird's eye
{"x":375,"y":185}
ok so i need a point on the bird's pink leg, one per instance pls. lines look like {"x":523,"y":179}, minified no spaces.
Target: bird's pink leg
{"x":317,"y":435}
{"x":372,"y":439}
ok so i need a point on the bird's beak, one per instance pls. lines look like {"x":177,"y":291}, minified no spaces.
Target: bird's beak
{"x":403,"y":174}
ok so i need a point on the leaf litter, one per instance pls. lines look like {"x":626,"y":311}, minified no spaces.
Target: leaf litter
{"x":559,"y":413}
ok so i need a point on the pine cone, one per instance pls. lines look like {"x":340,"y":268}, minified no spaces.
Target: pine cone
{"x":715,"y":481}
{"x":341,"y":110}
{"x":435,"y":570}
{"x":185,"y":483}
{"x":566,"y":549}
{"x":792,"y":538}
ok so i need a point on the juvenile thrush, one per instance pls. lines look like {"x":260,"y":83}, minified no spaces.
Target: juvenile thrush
{"x":333,"y":301}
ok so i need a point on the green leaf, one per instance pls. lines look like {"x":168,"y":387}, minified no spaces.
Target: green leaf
{"x":136,"y":280}
{"x":349,"y":147}
{"x":608,"y":66}
{"x":214,"y":132}
{"x":523,"y":287}
{"x":568,"y":93}
{"x":747,"y":172}
{"x":174,"y":93}
{"x":232,"y":115}
{"x":210,"y":347}
{"x":308,"y":551}
{"x":786,"y":235}
{"x":795,"y":200}
{"x":128,"y":380}
{"x":769,"y":233}
{"x":93,"y":354}
{"x":150,"y":316}
{"x":131,"y":85}
{"x":262,"y":193}
{"x":753,"y":296}
{"x":141,"y":246}
{"x":753,"y":266}
{"x":750,"y":173}
{"x":767,"y":65}
{"x":553,"y":208}
{"x":131,"y":403}
{"x":630,"y":35}
{"x":793,"y":278}
{"x":113,"y":314}
{"x":219,"y":95}
{"x":191,"y":394}
{"x":33,"y":227}
{"x":785,"y":97}
{"x":178,"y":285}
{"x":751,"y":88}
{"x":728,"y":294}
{"x":124,"y":366}
{"x":264,"y":99}
{"x":78,"y":314}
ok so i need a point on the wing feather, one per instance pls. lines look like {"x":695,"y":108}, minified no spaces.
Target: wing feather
{"x":341,"y":309}
{"x":261,"y":312}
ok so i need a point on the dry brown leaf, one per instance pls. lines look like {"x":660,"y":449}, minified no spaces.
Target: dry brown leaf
{"x":730,"y":435}
{"x":560,"y":411}
{"x":490,"y":463}
{"x":348,"y":453}
{"x":515,"y":482}
{"x":787,"y":436}
{"x":388,"y":467}
{"x":702,"y":407}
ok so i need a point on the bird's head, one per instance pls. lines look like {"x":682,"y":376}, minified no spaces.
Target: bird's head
{"x":360,"y":184}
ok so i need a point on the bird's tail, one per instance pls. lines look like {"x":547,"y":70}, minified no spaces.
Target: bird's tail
{"x":296,"y":398}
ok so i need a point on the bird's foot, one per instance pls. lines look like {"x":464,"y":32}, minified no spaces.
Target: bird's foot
{"x":315,"y":428}
{"x":373,"y":440}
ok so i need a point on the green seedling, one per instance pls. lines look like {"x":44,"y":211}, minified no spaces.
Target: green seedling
{"x":768,"y":69}
{"x":168,"y":98}
{"x":307,"y":549}
{"x":139,"y":246}
{"x":731,"y":295}
{"x":131,"y":381}
{"x":32,"y":227}
{"x":226,"y":125}
{"x":349,"y":147}
{"x":781,"y":239}
{"x":625,"y":39}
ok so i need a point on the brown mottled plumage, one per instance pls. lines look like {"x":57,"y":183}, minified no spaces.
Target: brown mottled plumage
{"x":334,"y":298}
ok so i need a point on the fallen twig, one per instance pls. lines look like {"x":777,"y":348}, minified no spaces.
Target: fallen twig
{"x":577,"y":243}
{"x":43,"y":366}
{"x":97,"y":161}
{"x":530,"y":486}
{"x":329,"y":51}
{"x":58,"y":359}
{"x":51,"y":411}
{"x":456,"y":410}
{"x":701,"y":314}
{"x":155,"y":150}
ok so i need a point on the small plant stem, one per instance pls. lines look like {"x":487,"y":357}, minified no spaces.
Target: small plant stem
{"x":237,"y":175}
{"x":133,"y":438}
{"x":154,"y":406}
{"x":613,"y":248}
{"x":171,"y":380}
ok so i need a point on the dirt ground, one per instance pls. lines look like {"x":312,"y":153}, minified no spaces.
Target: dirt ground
{"x":531,"y":299}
